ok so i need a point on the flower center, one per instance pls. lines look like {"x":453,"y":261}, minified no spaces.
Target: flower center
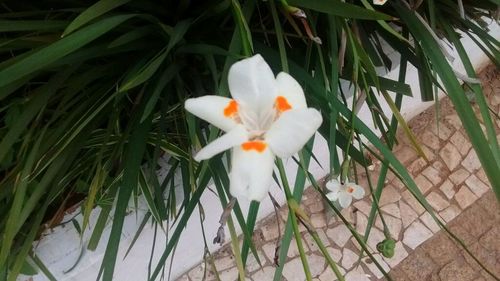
{"x":350,"y":189}
{"x":258,"y":146}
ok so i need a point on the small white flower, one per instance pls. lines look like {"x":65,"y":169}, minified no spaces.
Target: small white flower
{"x":379,"y":2}
{"x":344,"y":192}
{"x":266,"y":117}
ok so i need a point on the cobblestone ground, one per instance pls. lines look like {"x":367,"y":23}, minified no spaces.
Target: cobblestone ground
{"x":454,"y":185}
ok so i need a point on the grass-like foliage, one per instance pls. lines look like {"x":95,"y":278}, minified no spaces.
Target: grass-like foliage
{"x":91,"y":97}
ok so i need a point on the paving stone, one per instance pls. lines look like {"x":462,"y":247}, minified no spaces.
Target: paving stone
{"x":429,"y":222}
{"x":398,"y":275}
{"x":270,"y":248}
{"x":400,"y":254}
{"x":393,"y":224}
{"x":416,"y":234}
{"x":454,"y":121}
{"x":459,"y":176}
{"x":318,"y":220}
{"x":348,"y":214}
{"x":448,"y":189}
{"x":348,"y":258}
{"x":224,"y":263}
{"x":423,"y":183}
{"x":441,"y":167}
{"x":436,"y":201}
{"x":471,"y":161}
{"x":270,"y":231}
{"x":412,"y":202}
{"x":485,"y":255}
{"x":441,"y":249}
{"x":363,"y":206}
{"x":229,"y":274}
{"x":441,"y":130}
{"x":419,"y":266}
{"x":491,"y":240}
{"x":294,"y":271}
{"x":465,"y":197}
{"x":316,"y":208}
{"x":376,"y":236}
{"x":460,"y":232}
{"x":392,"y":209}
{"x":252,"y":263}
{"x":417,"y":166}
{"x":389,"y":195}
{"x":457,"y":270}
{"x":460,"y":142}
{"x":267,"y":273}
{"x":482,"y":176}
{"x":450,"y":213}
{"x":406,"y":155}
{"x":476,"y":185}
{"x":361,"y":222}
{"x":475,"y":220}
{"x":357,"y":275}
{"x":373,"y":268}
{"x":334,"y":253}
{"x":309,"y":240}
{"x":490,"y":204}
{"x":450,"y":155}
{"x":329,"y":275}
{"x":429,"y":153}
{"x":432,"y":174}
{"x":430,"y":139}
{"x":339,"y":235}
{"x":408,"y":215}
{"x":199,"y":273}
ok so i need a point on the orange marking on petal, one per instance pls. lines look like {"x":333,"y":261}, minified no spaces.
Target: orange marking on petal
{"x":258,"y":146}
{"x":282,"y":104}
{"x":231,"y":109}
{"x":350,"y":189}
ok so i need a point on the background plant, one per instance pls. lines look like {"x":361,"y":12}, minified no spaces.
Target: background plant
{"x":91,"y":98}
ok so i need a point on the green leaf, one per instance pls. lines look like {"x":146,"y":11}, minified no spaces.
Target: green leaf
{"x":94,"y":11}
{"x":45,"y":56}
{"x":339,"y":8}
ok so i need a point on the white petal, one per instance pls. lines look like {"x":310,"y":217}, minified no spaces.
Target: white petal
{"x":332,"y":196}
{"x":232,"y":138}
{"x":251,"y":173}
{"x":358,"y":192}
{"x":333,"y":185}
{"x":252,"y":84}
{"x":292,"y":130}
{"x":379,"y":2}
{"x":211,"y":109}
{"x":290,"y":89}
{"x":345,"y":199}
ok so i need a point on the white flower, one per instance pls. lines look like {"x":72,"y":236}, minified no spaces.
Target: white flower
{"x":379,"y":2}
{"x":344,"y":192}
{"x":267,"y":117}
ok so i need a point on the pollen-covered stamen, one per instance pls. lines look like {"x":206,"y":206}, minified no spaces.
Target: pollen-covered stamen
{"x":281,"y":104}
{"x":350,"y":189}
{"x":258,"y":146}
{"x":231,"y":109}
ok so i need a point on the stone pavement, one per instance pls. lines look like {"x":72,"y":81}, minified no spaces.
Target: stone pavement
{"x":454,"y":185}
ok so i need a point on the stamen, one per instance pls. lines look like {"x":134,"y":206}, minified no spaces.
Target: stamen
{"x":258,"y":146}
{"x":350,"y":189}
{"x":231,"y":109}
{"x":282,"y":104}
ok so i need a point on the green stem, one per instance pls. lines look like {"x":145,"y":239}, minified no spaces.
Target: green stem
{"x":296,"y":232}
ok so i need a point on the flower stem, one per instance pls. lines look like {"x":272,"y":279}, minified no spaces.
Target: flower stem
{"x":296,"y":232}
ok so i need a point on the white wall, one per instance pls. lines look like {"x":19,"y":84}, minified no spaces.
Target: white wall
{"x":60,"y":249}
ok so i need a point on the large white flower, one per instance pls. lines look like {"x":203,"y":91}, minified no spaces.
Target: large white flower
{"x":267,"y":116}
{"x":344,"y":192}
